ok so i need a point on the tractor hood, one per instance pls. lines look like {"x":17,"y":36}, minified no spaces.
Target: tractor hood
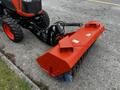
{"x":31,"y":6}
{"x":24,"y":7}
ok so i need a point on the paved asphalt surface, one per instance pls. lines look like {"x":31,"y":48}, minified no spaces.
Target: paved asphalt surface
{"x":100,"y":69}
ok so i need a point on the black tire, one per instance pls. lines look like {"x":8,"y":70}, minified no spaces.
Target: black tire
{"x":15,"y":29}
{"x":44,"y":20}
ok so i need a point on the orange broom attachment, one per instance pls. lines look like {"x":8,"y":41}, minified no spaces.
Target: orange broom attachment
{"x":64,"y":56}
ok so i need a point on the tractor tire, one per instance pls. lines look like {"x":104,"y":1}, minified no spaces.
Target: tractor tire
{"x":12,"y":30}
{"x":44,"y":20}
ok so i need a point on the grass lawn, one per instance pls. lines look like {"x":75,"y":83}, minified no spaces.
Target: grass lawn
{"x":9,"y":80}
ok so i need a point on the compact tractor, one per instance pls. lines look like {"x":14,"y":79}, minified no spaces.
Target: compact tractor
{"x":64,"y":59}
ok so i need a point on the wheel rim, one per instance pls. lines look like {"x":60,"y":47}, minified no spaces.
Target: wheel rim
{"x":8,"y":32}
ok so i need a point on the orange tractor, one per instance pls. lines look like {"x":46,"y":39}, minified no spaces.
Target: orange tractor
{"x":69,"y":49}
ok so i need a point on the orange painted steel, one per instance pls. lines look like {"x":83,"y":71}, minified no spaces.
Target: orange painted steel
{"x":62,"y":58}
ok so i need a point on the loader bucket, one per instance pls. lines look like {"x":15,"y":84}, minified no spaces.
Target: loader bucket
{"x":64,"y":56}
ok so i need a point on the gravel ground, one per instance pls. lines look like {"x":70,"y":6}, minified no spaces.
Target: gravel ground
{"x":100,"y":69}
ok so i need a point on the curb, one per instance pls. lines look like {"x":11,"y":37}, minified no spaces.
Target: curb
{"x":18,"y":72}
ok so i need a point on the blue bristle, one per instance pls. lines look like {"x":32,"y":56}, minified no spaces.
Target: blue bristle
{"x":68,"y":77}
